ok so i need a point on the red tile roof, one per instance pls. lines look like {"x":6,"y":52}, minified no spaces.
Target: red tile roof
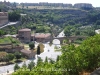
{"x":3,"y":13}
{"x":25,"y":29}
{"x":42,"y":35}
{"x":26,"y":51}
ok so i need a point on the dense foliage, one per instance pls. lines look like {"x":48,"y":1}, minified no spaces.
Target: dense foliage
{"x":45,"y":21}
{"x":18,"y":55}
{"x":73,"y":61}
{"x":14,"y":16}
{"x":31,"y":45}
{"x":38,"y":50}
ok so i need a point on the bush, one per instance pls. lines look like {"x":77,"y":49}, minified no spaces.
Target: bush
{"x":31,"y":45}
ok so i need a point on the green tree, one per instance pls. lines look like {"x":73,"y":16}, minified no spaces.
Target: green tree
{"x":18,"y":55}
{"x":31,"y":45}
{"x":91,"y":32}
{"x":16,"y":67}
{"x":2,"y":32}
{"x":46,"y":60}
{"x":14,"y":4}
{"x":38,"y":50}
{"x":77,"y":32}
{"x":51,"y":61}
{"x":90,"y":52}
{"x":14,"y":16}
{"x":87,"y":51}
{"x":67,"y":31}
{"x":39,"y":61}
{"x":24,"y":66}
{"x":31,"y":65}
{"x":6,"y":59}
{"x":3,"y":56}
{"x":58,"y":58}
{"x":10,"y":56}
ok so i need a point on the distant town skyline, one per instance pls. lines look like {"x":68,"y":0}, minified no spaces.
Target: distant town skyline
{"x":95,"y":3}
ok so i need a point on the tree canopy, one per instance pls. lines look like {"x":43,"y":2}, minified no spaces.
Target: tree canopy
{"x":31,"y":45}
{"x":73,"y":61}
{"x":14,"y":16}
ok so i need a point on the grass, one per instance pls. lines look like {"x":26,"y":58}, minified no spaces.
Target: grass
{"x":77,"y":42}
{"x":56,"y":47}
{"x":26,"y":46}
{"x":4,"y":40}
{"x":76,"y":45}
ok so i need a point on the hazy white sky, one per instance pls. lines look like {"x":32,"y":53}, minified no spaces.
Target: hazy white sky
{"x":95,"y":3}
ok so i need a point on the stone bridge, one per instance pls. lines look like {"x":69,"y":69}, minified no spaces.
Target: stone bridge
{"x":70,"y":38}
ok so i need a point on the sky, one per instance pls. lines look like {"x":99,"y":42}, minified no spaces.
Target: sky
{"x":95,"y":3}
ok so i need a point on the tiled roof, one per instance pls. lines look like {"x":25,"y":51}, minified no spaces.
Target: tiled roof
{"x":25,"y":29}
{"x":3,"y":13}
{"x":26,"y":51}
{"x":42,"y":35}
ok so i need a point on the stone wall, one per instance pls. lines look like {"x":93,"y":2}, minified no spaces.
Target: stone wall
{"x":10,"y":48}
{"x":3,"y":18}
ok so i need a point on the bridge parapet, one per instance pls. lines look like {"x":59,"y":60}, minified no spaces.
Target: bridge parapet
{"x":70,"y":38}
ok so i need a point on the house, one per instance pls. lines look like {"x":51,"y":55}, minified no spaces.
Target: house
{"x":30,"y":54}
{"x":83,"y":5}
{"x":42,"y":37}
{"x":24,"y":35}
{"x":3,"y":18}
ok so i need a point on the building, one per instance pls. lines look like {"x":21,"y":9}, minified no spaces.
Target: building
{"x":47,"y":4}
{"x":3,"y":18}
{"x":30,"y":54}
{"x":24,"y":35}
{"x":42,"y":37}
{"x":83,"y":5}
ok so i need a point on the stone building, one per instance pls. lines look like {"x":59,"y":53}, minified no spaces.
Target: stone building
{"x":28,"y":53}
{"x":81,"y":5}
{"x":3,"y":18}
{"x":24,"y":35}
{"x":43,"y":37}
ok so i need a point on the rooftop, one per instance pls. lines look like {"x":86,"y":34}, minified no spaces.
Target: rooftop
{"x":25,"y":29}
{"x":3,"y":13}
{"x":26,"y":51}
{"x":42,"y":35}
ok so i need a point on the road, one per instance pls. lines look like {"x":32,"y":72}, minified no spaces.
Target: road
{"x":51,"y":54}
{"x":97,"y":31}
{"x":9,"y":24}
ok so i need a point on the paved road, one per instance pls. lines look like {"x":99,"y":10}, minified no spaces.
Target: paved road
{"x":10,"y":23}
{"x":51,"y":54}
{"x":61,"y":34}
{"x":97,"y":31}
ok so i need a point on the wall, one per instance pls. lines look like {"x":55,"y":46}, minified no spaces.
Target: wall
{"x":3,"y":18}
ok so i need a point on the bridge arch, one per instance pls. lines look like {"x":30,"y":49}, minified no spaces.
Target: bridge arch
{"x":56,"y":41}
